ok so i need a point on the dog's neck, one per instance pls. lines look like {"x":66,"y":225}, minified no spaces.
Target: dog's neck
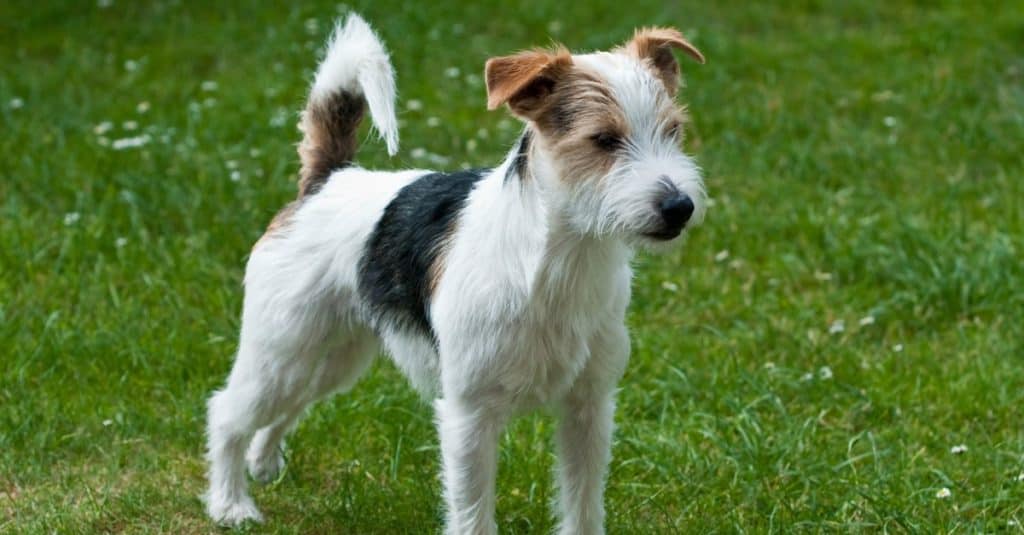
{"x":530,"y":175}
{"x":529,"y":180}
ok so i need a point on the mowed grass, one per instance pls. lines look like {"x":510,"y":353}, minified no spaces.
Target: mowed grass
{"x":850,"y":312}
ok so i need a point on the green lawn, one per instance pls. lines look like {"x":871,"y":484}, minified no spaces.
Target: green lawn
{"x":850,"y":312}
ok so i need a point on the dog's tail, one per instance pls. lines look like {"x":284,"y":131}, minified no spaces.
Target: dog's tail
{"x":355,"y":71}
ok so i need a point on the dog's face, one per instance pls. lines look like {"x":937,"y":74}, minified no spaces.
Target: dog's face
{"x":607,"y":125}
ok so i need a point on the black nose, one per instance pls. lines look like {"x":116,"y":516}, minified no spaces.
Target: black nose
{"x":676,"y":210}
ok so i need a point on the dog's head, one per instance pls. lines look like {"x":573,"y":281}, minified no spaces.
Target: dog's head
{"x":606,"y":133}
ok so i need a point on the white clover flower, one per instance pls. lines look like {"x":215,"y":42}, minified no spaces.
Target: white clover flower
{"x":235,"y":176}
{"x":108,"y":422}
{"x":837,"y":327}
{"x":825,"y":373}
{"x":889,"y":121}
{"x":943,"y":493}
{"x":452,"y":72}
{"x":1020,"y":477}
{"x":418,"y":153}
{"x":102,"y":128}
{"x":670,"y":286}
{"x":822,"y":275}
{"x":867,"y":320}
{"x":312,"y":25}
{"x":433,"y":122}
{"x":255,"y":153}
{"x":722,"y":256}
{"x":555,"y":26}
{"x":130,"y":142}
{"x":483,"y":133}
{"x":231,"y":164}
{"x":883,"y":96}
{"x":471,"y":145}
{"x":16,"y":103}
{"x":131,"y":65}
{"x":142,"y":107}
{"x":414,"y":104}
{"x":120,"y":242}
{"x":71,"y":218}
{"x":130,"y":125}
{"x":279,"y":118}
{"x":437,"y":159}
{"x":958,"y":449}
{"x":898,"y":348}
{"x":807,"y":377}
{"x":208,"y":85}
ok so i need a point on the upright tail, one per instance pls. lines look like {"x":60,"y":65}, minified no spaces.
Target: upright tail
{"x":355,"y":71}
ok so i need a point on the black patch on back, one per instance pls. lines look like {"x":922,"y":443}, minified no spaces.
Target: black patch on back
{"x":395,"y":269}
{"x":518,"y":167}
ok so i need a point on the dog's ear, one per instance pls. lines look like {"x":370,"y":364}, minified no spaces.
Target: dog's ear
{"x":525,"y":80}
{"x":655,"y":45}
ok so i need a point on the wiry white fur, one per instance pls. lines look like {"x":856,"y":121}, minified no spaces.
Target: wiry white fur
{"x":357,"y":61}
{"x":529,"y":312}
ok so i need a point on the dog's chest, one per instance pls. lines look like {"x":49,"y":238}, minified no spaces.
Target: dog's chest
{"x":549,"y":344}
{"x":548,"y":352}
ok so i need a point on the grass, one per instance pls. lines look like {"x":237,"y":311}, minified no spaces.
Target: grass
{"x":865,"y":161}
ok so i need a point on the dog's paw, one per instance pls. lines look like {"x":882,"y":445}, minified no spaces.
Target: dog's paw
{"x":266,"y":468}
{"x":233,"y":513}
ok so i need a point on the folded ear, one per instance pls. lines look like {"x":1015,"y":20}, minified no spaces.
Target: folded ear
{"x":525,"y":80}
{"x":656,"y":44}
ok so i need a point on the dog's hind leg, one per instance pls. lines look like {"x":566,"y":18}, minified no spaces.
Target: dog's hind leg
{"x":339,"y":371}
{"x":271,"y":376}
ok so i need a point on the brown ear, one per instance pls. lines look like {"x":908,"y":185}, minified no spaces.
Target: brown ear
{"x":656,"y":44}
{"x":525,"y":80}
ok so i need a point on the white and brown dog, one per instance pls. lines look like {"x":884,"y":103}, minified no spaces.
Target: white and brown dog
{"x":494,"y":290}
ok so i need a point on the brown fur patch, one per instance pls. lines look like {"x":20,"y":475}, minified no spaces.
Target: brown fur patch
{"x":329,"y":138}
{"x":580,"y":108}
{"x":281,"y":220}
{"x":436,"y":270}
{"x":526,"y":79}
{"x":654,"y":46}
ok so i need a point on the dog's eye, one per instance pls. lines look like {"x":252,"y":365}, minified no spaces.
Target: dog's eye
{"x":607,"y":141}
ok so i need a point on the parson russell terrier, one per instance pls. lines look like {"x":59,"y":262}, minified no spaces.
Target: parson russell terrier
{"x":494,"y":290}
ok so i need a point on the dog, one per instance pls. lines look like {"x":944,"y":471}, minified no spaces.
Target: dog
{"x":495,"y":291}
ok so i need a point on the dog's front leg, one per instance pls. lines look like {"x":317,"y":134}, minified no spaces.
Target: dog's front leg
{"x":469,"y":446}
{"x":584,"y":435}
